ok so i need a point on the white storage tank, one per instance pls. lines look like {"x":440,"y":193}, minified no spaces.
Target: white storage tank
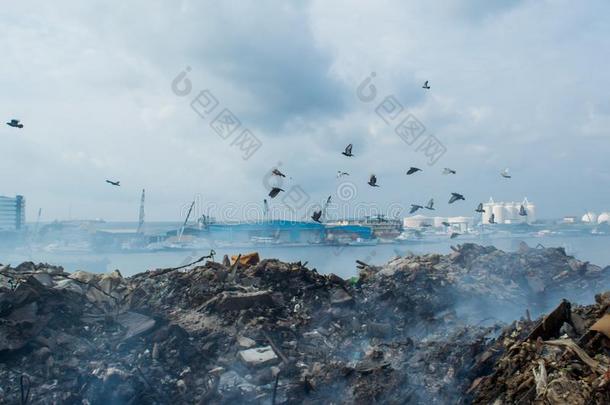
{"x":416,"y":221}
{"x":530,"y":208}
{"x":488,"y":207}
{"x":511,"y":212}
{"x":498,"y":211}
{"x":589,"y":218}
{"x":438,"y":222}
{"x":604,"y":217}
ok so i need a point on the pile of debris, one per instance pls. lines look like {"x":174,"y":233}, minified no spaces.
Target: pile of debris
{"x":265,"y":331}
{"x":564,"y":358}
{"x":482,"y":279}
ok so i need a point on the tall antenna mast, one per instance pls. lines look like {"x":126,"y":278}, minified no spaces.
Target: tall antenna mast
{"x":266,"y":210}
{"x":141,"y":219}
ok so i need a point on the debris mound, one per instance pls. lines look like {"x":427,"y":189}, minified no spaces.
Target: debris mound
{"x":417,"y":329}
{"x":563,"y":358}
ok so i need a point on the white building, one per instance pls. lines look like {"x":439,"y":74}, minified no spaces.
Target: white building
{"x":508,"y":212}
{"x":589,"y":218}
{"x":12,"y":212}
{"x":417,"y":221}
{"x":460,"y":224}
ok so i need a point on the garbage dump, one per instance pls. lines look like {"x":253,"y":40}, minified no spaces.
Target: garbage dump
{"x":563,"y":358}
{"x":419,"y":328}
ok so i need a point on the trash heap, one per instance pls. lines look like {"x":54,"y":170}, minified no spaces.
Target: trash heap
{"x":483,"y":282}
{"x":420,"y":328}
{"x":563,"y":358}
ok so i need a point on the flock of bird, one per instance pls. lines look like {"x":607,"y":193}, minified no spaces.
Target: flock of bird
{"x":348,"y":152}
{"x":317,"y":215}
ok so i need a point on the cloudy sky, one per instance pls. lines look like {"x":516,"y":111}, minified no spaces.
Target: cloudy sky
{"x":518,"y":84}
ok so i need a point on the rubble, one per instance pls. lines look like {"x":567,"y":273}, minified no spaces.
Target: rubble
{"x":418,"y":329}
{"x":259,"y":356}
{"x":563,"y":358}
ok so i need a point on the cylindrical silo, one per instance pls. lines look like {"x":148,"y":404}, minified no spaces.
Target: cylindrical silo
{"x":498,"y":211}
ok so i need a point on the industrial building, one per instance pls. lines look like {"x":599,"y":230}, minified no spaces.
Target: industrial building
{"x":12,"y":213}
{"x":368,"y":227}
{"x":569,"y":220}
{"x":458,"y":224}
{"x":417,"y":221}
{"x":508,"y":212}
{"x":282,"y":231}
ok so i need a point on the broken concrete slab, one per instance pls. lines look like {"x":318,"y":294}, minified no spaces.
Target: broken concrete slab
{"x":245,"y":342}
{"x":135,"y":324}
{"x":85,"y":277}
{"x":71,"y":285}
{"x":258,"y":356}
{"x":45,"y":279}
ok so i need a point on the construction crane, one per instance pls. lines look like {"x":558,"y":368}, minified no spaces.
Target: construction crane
{"x":186,"y":220}
{"x":141,"y":220}
{"x":326,"y":207}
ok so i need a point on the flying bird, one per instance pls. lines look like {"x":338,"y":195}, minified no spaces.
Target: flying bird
{"x":430,"y":205}
{"x":328,"y":199}
{"x":414,"y":207}
{"x":480,"y":209}
{"x":455,"y":197}
{"x":341,"y":174}
{"x":276,"y":172}
{"x":373,"y":181}
{"x":316,"y":216}
{"x":348,"y":151}
{"x":114,"y":183}
{"x":504,"y":173}
{"x":425,"y":86}
{"x":274,"y":192}
{"x":454,"y":235}
{"x":446,"y":223}
{"x":492,"y":219}
{"x":522,"y":211}
{"x":413,"y":170}
{"x":447,"y":170}
{"x":14,"y":124}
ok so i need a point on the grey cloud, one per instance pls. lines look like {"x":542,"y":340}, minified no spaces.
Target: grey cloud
{"x":91,"y":82}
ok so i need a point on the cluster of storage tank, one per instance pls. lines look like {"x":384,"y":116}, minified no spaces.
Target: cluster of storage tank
{"x":593,"y":218}
{"x":508,"y":212}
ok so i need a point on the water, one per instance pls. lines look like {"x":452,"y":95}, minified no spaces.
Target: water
{"x":326,"y":259}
